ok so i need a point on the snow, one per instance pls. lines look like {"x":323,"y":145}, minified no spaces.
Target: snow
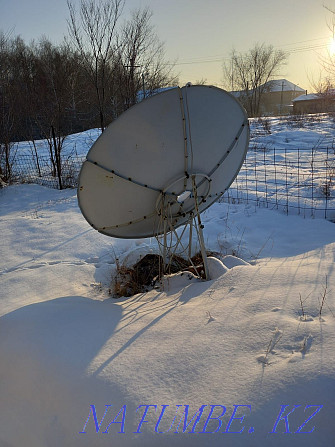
{"x":241,"y":344}
{"x":304,"y":133}
{"x":77,"y":144}
{"x":288,"y":166}
{"x":216,"y":267}
{"x":308,"y":97}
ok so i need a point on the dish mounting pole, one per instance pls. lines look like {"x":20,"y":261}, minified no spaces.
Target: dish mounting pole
{"x":199,"y":227}
{"x":170,"y":240}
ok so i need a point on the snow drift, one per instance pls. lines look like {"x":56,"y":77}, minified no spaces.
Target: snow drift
{"x":238,"y":360}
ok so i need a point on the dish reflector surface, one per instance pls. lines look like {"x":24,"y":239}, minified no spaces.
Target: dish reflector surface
{"x":152,"y":161}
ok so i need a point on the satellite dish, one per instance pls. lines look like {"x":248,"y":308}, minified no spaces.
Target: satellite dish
{"x":168,"y":157}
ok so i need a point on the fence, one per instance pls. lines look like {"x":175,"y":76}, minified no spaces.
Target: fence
{"x":29,"y":169}
{"x":295,"y":181}
{"x":292,"y":180}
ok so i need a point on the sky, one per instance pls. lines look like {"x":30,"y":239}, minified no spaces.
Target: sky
{"x":200,"y":35}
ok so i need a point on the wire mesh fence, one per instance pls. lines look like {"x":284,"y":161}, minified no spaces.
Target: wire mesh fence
{"x":41,"y":170}
{"x":291,"y":180}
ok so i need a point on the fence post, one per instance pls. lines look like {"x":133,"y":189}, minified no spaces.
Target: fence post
{"x":275,"y":175}
{"x":312,"y":166}
{"x":57,"y":150}
{"x":298,"y":180}
{"x":286,"y":180}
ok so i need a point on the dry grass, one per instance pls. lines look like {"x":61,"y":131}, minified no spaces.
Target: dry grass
{"x":142,"y":276}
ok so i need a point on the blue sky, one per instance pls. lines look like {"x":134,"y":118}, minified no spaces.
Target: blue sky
{"x":200,"y":34}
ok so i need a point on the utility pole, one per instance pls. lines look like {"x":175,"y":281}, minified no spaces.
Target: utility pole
{"x":281,"y":98}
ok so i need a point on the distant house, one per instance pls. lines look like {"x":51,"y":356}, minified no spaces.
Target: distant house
{"x":315,"y":103}
{"x":276,"y":97}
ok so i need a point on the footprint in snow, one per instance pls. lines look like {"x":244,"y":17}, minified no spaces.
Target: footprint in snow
{"x":210,"y":318}
{"x":302,"y":349}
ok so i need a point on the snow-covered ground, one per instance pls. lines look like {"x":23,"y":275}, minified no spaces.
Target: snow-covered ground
{"x":235,"y":361}
{"x":290,"y":164}
{"x":77,"y":144}
{"x":246,"y":359}
{"x":280,"y":132}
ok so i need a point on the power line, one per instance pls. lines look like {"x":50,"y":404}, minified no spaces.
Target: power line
{"x":303,"y":41}
{"x":308,"y":48}
{"x":208,"y":61}
{"x":220,"y":58}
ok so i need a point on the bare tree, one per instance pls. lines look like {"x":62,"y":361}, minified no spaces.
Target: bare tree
{"x":325,"y":83}
{"x":331,"y":22}
{"x":41,"y":90}
{"x":250,"y":72}
{"x":327,"y":78}
{"x":52,"y":96}
{"x":46,"y":90}
{"x":93,"y":31}
{"x":141,"y":63}
{"x":9,"y":102}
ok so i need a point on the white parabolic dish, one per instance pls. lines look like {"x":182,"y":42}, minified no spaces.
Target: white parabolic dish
{"x":152,"y":156}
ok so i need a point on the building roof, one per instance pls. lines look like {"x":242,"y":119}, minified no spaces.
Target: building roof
{"x":282,"y":85}
{"x":275,"y":85}
{"x":309,"y":97}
